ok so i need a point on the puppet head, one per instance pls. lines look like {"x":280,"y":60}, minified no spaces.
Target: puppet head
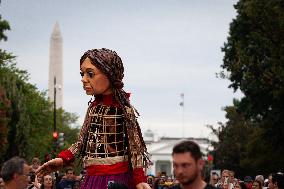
{"x":105,"y":62}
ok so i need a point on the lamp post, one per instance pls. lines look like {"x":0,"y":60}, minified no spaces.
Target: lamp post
{"x":54,"y":114}
{"x":182,"y":105}
{"x":54,"y":106}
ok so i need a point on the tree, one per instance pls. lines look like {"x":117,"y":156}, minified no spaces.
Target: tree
{"x":233,"y":137}
{"x":253,"y":62}
{"x":4,"y":25}
{"x":5,"y":104}
{"x":31,"y":120}
{"x":4,"y":119}
{"x":66,"y":125}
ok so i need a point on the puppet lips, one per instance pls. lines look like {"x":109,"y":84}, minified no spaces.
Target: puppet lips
{"x":87,"y":88}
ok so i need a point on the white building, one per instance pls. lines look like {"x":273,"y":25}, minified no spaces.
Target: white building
{"x":160,"y":151}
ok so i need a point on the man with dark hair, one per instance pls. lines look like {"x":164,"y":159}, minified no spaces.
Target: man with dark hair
{"x":188,"y":165}
{"x":68,"y":181}
{"x":15,"y":173}
{"x":117,"y":185}
{"x":214,"y":179}
{"x":277,"y":181}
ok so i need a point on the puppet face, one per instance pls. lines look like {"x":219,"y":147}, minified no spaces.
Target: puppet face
{"x":94,"y":81}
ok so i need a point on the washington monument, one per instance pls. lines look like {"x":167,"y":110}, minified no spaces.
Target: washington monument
{"x":55,"y":79}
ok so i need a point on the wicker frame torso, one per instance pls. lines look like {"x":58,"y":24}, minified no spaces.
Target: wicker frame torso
{"x":106,"y":133}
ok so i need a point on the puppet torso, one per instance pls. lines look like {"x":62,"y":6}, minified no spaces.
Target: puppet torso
{"x":106,"y":133}
{"x":107,"y":138}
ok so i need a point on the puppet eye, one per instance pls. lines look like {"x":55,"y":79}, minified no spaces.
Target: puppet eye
{"x":90,"y":74}
{"x":82,"y":74}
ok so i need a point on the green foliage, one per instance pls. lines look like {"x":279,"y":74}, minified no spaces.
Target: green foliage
{"x":65,"y":120}
{"x":233,"y":137}
{"x":31,"y":120}
{"x":254,"y":55}
{"x":253,"y":62}
{"x":5,"y":105}
{"x":4,"y":25}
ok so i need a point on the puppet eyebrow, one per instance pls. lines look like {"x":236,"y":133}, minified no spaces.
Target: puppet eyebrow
{"x":87,"y":69}
{"x":90,"y":69}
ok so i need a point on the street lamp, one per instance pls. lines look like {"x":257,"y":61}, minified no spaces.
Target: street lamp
{"x":54,"y":115}
{"x":54,"y":106}
{"x":182,"y":105}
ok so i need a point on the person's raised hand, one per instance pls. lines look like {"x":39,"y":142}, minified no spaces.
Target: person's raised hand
{"x":36,"y":183}
{"x":49,"y":167}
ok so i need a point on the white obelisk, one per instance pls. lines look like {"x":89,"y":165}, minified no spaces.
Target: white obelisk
{"x":55,"y":79}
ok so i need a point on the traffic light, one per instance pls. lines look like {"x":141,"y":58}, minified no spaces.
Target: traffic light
{"x":210,"y":159}
{"x":55,"y":136}
{"x":61,"y":140}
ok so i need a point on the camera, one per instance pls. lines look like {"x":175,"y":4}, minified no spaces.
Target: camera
{"x":32,"y":176}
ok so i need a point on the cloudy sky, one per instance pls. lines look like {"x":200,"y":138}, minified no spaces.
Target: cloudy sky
{"x":168,"y":47}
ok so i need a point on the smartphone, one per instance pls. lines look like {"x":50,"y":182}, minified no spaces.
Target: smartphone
{"x":32,"y":176}
{"x":226,"y":180}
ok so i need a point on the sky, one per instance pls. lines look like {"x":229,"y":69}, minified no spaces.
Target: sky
{"x":168,"y":47}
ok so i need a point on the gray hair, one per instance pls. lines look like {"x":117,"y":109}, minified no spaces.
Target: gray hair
{"x":12,"y":166}
{"x":260,"y":178}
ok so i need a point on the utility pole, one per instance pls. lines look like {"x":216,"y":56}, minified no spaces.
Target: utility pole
{"x":182,"y":105}
{"x":54,"y":107}
{"x":55,"y":134}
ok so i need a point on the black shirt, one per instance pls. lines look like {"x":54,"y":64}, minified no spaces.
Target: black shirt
{"x":65,"y":184}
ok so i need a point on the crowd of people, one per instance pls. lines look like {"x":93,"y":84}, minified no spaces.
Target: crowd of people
{"x":225,"y":181}
{"x":229,"y":181}
{"x":188,"y":170}
{"x":16,"y":173}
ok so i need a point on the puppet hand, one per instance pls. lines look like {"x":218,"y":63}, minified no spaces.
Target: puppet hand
{"x":143,"y":185}
{"x":50,"y":166}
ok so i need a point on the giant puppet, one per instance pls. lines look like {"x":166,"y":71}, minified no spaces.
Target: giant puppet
{"x":110,"y":141}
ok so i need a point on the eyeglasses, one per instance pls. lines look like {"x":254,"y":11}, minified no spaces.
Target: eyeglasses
{"x":90,"y":74}
{"x":48,"y":179}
